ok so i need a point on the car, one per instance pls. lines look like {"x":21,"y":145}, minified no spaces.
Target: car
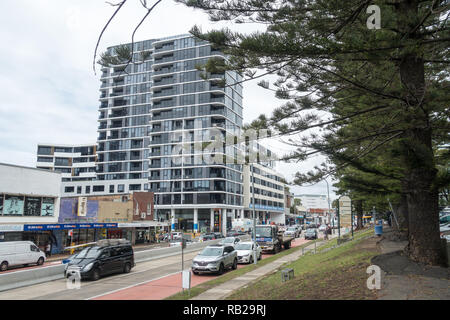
{"x":175,"y":243}
{"x":215,"y":259}
{"x":311,"y":234}
{"x":107,"y":257}
{"x":207,"y":236}
{"x":177,"y":235}
{"x":218,"y":235}
{"x":292,"y":232}
{"x":20,"y":253}
{"x":444,"y":219}
{"x":322,"y":227}
{"x":230,"y":241}
{"x":245,"y":251}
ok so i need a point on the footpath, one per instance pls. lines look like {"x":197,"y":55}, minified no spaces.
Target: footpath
{"x":222,"y":291}
{"x":403,"y":279}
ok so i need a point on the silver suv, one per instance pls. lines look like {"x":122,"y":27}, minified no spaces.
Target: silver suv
{"x":214,"y":259}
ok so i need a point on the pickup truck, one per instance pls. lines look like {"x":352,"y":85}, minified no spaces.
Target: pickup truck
{"x":271,"y":239}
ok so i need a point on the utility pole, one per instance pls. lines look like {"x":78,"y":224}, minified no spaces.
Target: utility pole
{"x":329,"y":207}
{"x":339,"y":221}
{"x":254,"y":215}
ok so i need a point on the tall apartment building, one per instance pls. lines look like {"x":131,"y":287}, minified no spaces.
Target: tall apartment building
{"x":269,"y":194}
{"x":152,"y":116}
{"x":75,"y":162}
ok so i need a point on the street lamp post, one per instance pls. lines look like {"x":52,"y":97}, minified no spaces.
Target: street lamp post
{"x":329,"y":207}
{"x":254,"y":216}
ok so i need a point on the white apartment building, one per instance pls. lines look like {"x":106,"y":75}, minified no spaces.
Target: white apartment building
{"x":74,"y":162}
{"x":269,"y":194}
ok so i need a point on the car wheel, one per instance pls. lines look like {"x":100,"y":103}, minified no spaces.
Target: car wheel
{"x":250,"y":261}
{"x":259,"y":258}
{"x":40,"y":262}
{"x":4,"y":266}
{"x":95,"y":275}
{"x":127,"y":268}
{"x":234,"y":264}
{"x":195,"y":272}
{"x":221,"y":268}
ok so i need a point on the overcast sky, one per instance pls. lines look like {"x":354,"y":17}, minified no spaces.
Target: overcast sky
{"x":49,"y":92}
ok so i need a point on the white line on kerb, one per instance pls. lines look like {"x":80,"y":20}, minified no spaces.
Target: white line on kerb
{"x":133,"y":285}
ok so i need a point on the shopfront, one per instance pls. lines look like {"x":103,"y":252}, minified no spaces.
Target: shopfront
{"x":61,"y":236}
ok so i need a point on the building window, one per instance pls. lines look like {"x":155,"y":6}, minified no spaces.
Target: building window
{"x":45,"y":150}
{"x":111,"y":188}
{"x":88,"y":189}
{"x":121,"y":188}
{"x":79,"y":190}
{"x":98,"y":188}
{"x":135,"y":187}
{"x":69,"y":189}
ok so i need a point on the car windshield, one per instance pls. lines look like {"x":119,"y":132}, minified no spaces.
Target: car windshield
{"x":89,"y":253}
{"x":291,"y":229}
{"x":244,"y":246}
{"x":263,"y":232}
{"x":211,"y":251}
{"x":228,"y":240}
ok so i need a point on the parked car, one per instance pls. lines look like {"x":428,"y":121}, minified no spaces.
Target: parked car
{"x":218,"y":235}
{"x":245,"y":251}
{"x":230,"y":241}
{"x":215,"y":259}
{"x":292,"y":231}
{"x":322,"y":227}
{"x":311,"y":234}
{"x":19,"y":253}
{"x":107,"y":257}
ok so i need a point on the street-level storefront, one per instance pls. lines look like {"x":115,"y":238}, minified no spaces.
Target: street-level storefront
{"x":67,"y":235}
{"x":141,"y":232}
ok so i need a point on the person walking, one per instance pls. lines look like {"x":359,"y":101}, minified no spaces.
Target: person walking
{"x":48,"y":250}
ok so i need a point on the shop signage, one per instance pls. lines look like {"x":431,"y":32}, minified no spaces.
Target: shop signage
{"x":46,"y":227}
{"x":259,"y":206}
{"x":11,"y":227}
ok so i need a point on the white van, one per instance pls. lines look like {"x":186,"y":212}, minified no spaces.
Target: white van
{"x":15,"y":253}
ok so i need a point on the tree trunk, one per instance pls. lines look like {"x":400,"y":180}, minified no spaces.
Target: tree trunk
{"x":359,"y":214}
{"x":421,"y":194}
{"x":401,"y":217}
{"x":423,"y":205}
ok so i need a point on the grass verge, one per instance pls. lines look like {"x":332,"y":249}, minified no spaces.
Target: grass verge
{"x":339,"y":273}
{"x":231,"y":275}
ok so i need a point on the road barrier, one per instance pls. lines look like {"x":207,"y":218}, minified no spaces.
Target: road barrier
{"x":23,"y":278}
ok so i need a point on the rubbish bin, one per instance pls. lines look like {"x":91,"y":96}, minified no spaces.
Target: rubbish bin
{"x":379,"y":229}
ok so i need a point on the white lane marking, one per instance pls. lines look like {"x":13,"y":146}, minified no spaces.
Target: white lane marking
{"x":133,"y":285}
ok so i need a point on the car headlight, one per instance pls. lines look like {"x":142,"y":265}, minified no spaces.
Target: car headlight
{"x":88,"y":266}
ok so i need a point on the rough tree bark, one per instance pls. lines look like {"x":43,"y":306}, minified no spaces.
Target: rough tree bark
{"x":359,"y":214}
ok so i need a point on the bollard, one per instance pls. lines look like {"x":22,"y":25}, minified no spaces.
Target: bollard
{"x":315,"y":246}
{"x":287,"y":274}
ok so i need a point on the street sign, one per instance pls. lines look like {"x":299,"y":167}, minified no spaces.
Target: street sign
{"x":186,"y":279}
{"x":345,"y":211}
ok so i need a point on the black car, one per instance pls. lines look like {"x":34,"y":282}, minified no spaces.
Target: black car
{"x":107,"y":257}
